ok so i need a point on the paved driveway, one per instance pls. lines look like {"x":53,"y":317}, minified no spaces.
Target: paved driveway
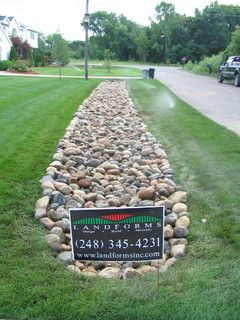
{"x":219,"y":102}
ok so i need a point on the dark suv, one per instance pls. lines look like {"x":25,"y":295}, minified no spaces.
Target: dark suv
{"x":230,"y":70}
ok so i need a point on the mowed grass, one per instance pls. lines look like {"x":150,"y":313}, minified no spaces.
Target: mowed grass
{"x":94,"y":70}
{"x":35,"y":285}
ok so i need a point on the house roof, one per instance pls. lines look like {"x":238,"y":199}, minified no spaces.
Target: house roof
{"x":26,"y":27}
{"x":4,"y":20}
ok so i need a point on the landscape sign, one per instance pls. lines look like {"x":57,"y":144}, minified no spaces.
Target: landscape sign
{"x":117,"y":234}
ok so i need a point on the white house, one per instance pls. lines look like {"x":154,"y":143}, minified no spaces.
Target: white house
{"x":9,"y":27}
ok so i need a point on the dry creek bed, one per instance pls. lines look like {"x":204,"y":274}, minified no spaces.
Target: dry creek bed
{"x":107,"y":158}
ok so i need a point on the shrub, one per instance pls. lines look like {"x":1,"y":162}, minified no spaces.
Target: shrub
{"x":189,"y":66}
{"x":215,"y":61}
{"x":37,"y":58}
{"x":22,"y":49}
{"x":13,"y":54}
{"x":108,"y":56}
{"x":5,"y":65}
{"x":20,"y":65}
{"x":202,"y":67}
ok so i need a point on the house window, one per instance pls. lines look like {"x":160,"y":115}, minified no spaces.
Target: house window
{"x":14,"y":32}
{"x":32,"y":35}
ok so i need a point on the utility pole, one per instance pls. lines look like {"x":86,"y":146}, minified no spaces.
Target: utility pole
{"x":86,"y":23}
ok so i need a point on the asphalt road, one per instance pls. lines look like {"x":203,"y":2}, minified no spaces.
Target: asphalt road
{"x":218,"y":101}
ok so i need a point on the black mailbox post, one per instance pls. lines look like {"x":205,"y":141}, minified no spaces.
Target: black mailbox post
{"x":151,"y":73}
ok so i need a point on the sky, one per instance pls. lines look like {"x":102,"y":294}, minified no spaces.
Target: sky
{"x":47,"y":16}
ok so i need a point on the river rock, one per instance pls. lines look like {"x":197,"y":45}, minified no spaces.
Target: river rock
{"x":40,"y":213}
{"x":57,"y":231}
{"x":178,"y":251}
{"x":183,"y":222}
{"x":181,"y":232}
{"x":146,"y":269}
{"x":178,"y":196}
{"x":66,"y":257}
{"x":73,"y":268}
{"x":176,"y":241}
{"x":168,"y":231}
{"x":110,"y":273}
{"x":47,"y":223}
{"x":58,"y":198}
{"x":130,"y":273}
{"x":146,"y":193}
{"x":64,"y":224}
{"x":54,"y":242}
{"x":179,"y":207}
{"x":42,"y":203}
{"x":107,"y":158}
{"x":85,"y":183}
{"x":171,"y":219}
{"x":57,"y":214}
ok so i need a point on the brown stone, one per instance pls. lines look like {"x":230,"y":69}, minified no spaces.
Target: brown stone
{"x":147,"y":193}
{"x":47,"y":223}
{"x":114,"y":172}
{"x":66,"y":247}
{"x":85,"y":183}
{"x":146,"y":269}
{"x":184,"y":221}
{"x":178,"y":196}
{"x":168,"y":231}
{"x":42,"y":203}
{"x":89,"y":204}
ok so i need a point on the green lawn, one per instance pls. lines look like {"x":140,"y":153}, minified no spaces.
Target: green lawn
{"x":97,"y":70}
{"x":206,"y":157}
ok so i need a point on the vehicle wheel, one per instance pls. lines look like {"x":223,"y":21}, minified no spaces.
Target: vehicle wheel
{"x":220,"y":78}
{"x":237,"y":80}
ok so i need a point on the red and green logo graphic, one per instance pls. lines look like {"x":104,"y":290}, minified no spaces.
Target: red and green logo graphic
{"x":121,"y":218}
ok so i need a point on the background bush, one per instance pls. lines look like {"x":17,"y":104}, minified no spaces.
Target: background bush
{"x":202,"y":67}
{"x":20,"y":65}
{"x":5,"y":65}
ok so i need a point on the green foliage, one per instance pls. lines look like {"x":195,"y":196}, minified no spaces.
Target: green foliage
{"x":13,"y":54}
{"x":38,"y":58}
{"x":20,"y":65}
{"x":5,"y":65}
{"x":112,"y":32}
{"x":189,"y":66}
{"x":234,"y":46}
{"x":108,"y":56}
{"x":202,"y":67}
{"x":60,"y":52}
{"x":142,"y":45}
{"x":76,"y":49}
{"x":170,"y":36}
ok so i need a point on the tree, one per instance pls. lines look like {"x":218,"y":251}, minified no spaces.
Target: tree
{"x":168,"y":22}
{"x":22,"y":48}
{"x":234,"y":46}
{"x":112,"y":32}
{"x":59,"y":52}
{"x":76,"y":49}
{"x":13,"y":54}
{"x":142,"y":44}
{"x":210,"y":29}
{"x":108,"y":56}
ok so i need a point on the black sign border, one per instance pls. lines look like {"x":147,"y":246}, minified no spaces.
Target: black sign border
{"x":115,"y":208}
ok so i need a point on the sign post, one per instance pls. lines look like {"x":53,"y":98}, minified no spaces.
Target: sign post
{"x":117,"y":234}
